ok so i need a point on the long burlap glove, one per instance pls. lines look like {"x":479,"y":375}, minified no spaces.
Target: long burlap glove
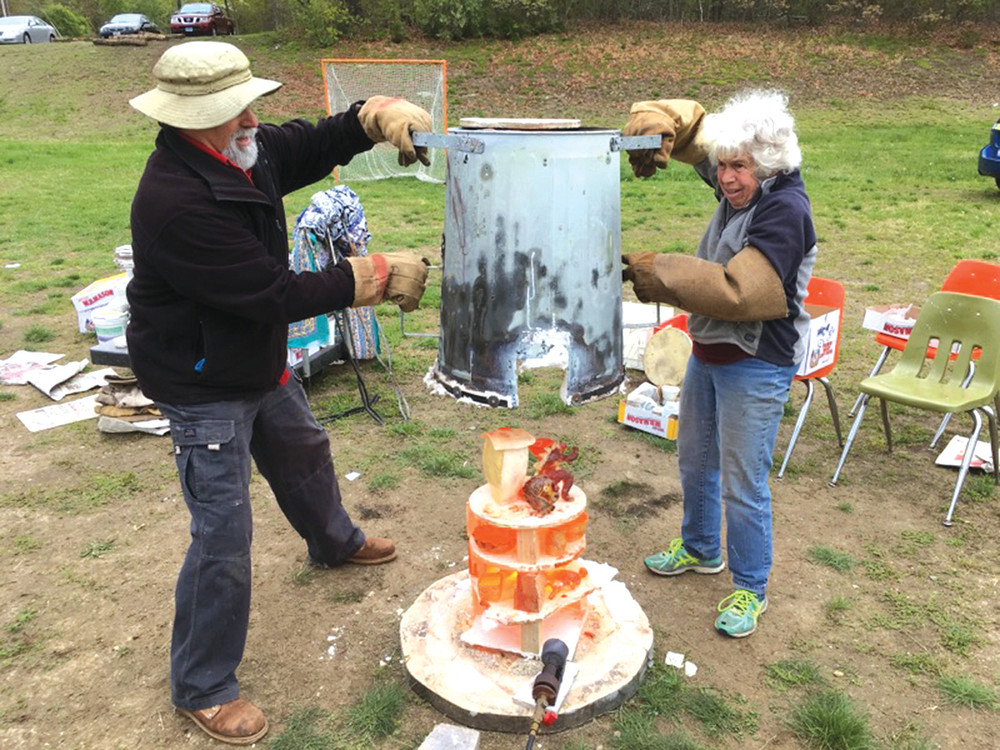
{"x":746,"y":289}
{"x":678,"y":121}
{"x":407,"y":280}
{"x":640,"y":271}
{"x":393,"y":119}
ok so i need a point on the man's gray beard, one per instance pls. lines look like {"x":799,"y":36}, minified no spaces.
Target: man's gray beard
{"x":244,"y":158}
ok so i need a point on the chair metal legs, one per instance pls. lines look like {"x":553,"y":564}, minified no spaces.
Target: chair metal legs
{"x":963,"y":469}
{"x":833,"y":409}
{"x":875,"y":370}
{"x":810,"y":389}
{"x":886,"y":427}
{"x":850,"y":437}
{"x":798,"y":426}
{"x":970,"y":450}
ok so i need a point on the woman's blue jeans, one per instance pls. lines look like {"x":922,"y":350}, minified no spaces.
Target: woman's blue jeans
{"x":728,"y":422}
{"x":213,"y":447}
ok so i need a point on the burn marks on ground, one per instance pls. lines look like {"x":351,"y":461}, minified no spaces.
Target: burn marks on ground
{"x":627,"y":499}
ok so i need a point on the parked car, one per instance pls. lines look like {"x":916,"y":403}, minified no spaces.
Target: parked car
{"x":989,"y":157}
{"x":201,"y":18}
{"x":128,"y":23}
{"x":26,"y":30}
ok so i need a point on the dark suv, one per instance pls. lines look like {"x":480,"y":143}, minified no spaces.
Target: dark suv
{"x":201,"y":18}
{"x":989,"y":156}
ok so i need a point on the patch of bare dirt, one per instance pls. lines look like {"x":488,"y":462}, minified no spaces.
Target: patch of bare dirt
{"x":84,"y":633}
{"x":92,"y":671}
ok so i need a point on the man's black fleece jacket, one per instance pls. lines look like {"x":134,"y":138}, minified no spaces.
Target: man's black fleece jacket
{"x":212,"y":293}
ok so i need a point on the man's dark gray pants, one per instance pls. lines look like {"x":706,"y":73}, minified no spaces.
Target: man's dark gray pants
{"x":213,"y":447}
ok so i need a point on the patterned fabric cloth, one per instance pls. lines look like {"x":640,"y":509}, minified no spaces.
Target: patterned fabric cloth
{"x":336,"y":214}
{"x":333,"y":219}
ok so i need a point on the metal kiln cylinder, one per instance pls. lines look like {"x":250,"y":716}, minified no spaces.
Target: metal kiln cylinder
{"x":531,"y":270}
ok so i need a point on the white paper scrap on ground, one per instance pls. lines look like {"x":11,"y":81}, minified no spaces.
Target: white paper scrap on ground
{"x":46,"y":379}
{"x":79,"y":383}
{"x":59,"y":414}
{"x":673,"y":659}
{"x":450,"y":737}
{"x":14,"y":369}
{"x":352,"y":475}
{"x":676,"y":660}
{"x":955,"y":450}
{"x":523,"y":695}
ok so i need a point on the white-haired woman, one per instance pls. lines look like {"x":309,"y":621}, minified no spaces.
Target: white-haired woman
{"x":744,"y":291}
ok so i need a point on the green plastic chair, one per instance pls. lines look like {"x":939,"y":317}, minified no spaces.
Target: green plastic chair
{"x":960,"y":326}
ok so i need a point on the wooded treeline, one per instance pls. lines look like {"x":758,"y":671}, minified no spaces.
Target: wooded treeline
{"x":325,"y":21}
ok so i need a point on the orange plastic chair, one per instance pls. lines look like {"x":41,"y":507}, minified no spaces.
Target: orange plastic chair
{"x":828,"y":293}
{"x":678,"y":321}
{"x":976,"y":277}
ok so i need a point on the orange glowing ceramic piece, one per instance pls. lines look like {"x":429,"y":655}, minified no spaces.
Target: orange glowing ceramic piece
{"x":551,"y":481}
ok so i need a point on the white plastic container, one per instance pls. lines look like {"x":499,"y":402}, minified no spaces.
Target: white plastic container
{"x":123,"y":259}
{"x":109,"y":323}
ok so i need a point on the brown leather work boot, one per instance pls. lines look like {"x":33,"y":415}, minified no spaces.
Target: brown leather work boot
{"x":237,"y":722}
{"x":374,"y":552}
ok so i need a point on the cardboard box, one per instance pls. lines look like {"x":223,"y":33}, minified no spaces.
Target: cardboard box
{"x":821,"y":343}
{"x":655,"y":422}
{"x":896,"y":320}
{"x":102,"y":293}
{"x":643,"y":410}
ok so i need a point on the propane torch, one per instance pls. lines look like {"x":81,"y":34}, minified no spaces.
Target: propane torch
{"x":546,"y":686}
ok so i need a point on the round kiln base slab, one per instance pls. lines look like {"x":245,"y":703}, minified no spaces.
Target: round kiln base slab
{"x":475,"y":687}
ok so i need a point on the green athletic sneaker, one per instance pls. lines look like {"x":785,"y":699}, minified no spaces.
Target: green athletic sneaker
{"x":676,"y":560}
{"x":740,"y":611}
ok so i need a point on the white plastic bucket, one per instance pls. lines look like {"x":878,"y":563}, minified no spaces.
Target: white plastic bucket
{"x":110,"y":323}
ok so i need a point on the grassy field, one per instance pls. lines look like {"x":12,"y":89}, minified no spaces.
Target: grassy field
{"x":895,"y":637}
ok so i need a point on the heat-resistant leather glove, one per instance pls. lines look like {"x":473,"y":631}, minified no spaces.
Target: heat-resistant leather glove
{"x":640,"y":271}
{"x":407,"y":280}
{"x":392,"y":119}
{"x":678,"y":121}
{"x":393,"y":277}
{"x":745,"y":289}
{"x":371,"y":272}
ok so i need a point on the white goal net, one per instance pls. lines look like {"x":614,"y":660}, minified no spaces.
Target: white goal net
{"x":423,"y":82}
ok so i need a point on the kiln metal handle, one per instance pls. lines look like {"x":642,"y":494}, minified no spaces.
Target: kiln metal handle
{"x":635,"y":142}
{"x":443,"y":140}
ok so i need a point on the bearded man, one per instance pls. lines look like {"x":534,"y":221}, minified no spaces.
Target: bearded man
{"x":211,"y":300}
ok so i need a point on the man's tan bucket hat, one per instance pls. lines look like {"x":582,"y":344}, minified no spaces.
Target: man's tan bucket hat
{"x":200,"y":85}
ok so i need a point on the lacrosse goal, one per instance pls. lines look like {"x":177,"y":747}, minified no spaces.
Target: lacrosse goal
{"x":423,"y":82}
